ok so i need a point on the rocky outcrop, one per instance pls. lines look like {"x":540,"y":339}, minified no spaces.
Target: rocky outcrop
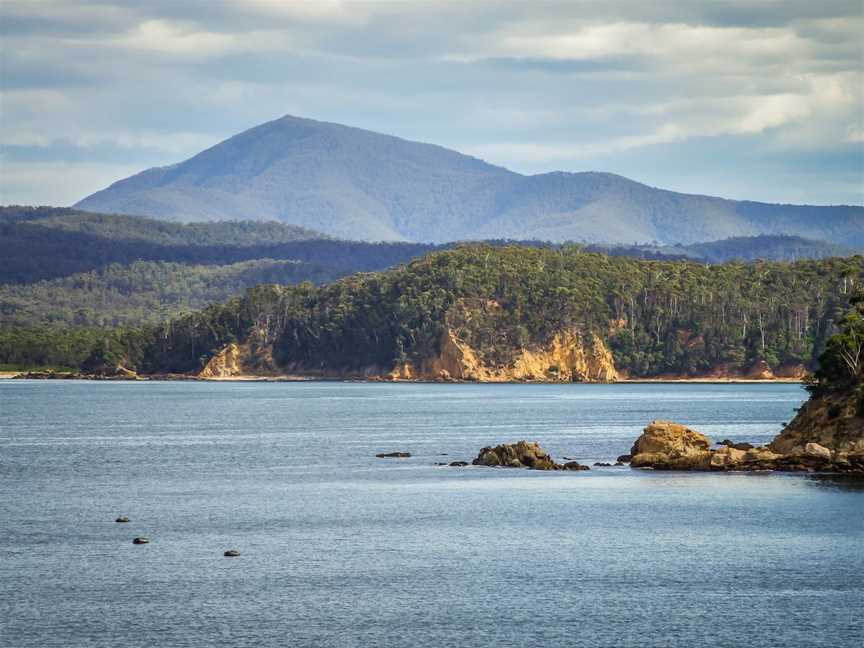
{"x":522,"y":454}
{"x":225,"y":364}
{"x":568,"y":357}
{"x":834,"y":421}
{"x":670,"y":446}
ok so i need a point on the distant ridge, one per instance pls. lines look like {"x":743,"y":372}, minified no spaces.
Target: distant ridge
{"x":361,"y":185}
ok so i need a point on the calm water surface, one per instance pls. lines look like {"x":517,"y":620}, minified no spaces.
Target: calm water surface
{"x":342,"y":549}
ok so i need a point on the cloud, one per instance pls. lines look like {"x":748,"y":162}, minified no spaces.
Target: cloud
{"x":535,"y":86}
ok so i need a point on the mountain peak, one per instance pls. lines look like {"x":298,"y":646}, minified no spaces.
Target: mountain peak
{"x":359,"y":184}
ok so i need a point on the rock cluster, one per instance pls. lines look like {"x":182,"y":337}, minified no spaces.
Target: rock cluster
{"x":522,"y":454}
{"x":115,"y":373}
{"x":670,"y":446}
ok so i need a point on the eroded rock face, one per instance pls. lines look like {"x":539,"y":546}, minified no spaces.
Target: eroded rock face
{"x":832,"y":421}
{"x":225,"y":364}
{"x":522,"y":454}
{"x":569,"y":357}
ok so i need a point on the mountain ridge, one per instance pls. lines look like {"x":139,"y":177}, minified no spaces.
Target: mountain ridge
{"x":358,"y":184}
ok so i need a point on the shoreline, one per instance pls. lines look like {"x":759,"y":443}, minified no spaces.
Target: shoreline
{"x":380,"y":379}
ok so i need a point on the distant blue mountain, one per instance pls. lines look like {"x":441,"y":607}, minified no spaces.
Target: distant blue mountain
{"x":357,"y":184}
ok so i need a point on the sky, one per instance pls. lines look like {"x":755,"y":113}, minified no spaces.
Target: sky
{"x":760,"y":100}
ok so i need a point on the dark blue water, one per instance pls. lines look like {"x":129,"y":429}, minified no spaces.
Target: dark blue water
{"x":342,"y":549}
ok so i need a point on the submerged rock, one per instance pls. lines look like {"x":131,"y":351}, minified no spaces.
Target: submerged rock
{"x":122,"y":518}
{"x":141,"y":541}
{"x":393,"y":455}
{"x":231,"y":553}
{"x":458,"y":464}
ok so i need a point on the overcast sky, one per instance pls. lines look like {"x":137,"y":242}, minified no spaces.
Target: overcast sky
{"x":759,"y":99}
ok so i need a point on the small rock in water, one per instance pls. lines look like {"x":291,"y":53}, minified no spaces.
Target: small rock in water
{"x":122,"y":518}
{"x":231,"y":553}
{"x":574,"y":465}
{"x":624,"y":458}
{"x":389,"y":455}
{"x":458,"y":464}
{"x":141,"y":541}
{"x":602,"y":463}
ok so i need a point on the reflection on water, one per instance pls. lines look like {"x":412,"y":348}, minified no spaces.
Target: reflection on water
{"x":853,"y":483}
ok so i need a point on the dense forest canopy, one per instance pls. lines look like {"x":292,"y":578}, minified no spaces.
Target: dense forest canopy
{"x":143,"y":291}
{"x":658,"y":317}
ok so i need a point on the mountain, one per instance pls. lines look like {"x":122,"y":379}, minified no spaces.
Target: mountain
{"x":357,"y":184}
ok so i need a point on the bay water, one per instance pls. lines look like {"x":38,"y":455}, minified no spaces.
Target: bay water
{"x":340,"y":548}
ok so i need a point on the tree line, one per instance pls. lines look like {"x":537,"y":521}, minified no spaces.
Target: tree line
{"x":658,"y":317}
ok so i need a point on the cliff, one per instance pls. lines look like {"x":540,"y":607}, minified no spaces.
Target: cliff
{"x":568,"y":357}
{"x":225,"y":364}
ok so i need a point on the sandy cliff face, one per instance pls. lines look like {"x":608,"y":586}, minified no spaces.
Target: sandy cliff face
{"x":225,"y":364}
{"x":567,"y":358}
{"x":252,"y":358}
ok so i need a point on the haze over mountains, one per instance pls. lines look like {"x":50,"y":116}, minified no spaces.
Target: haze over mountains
{"x":361,"y":185}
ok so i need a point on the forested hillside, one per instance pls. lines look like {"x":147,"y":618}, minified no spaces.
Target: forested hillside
{"x":72,"y":279}
{"x":144,"y":291}
{"x":658,"y":317}
{"x":47,"y":243}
